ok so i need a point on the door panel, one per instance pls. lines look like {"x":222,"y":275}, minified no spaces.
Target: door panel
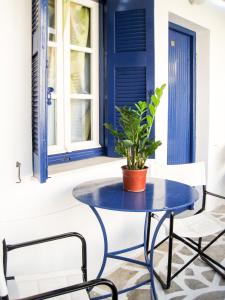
{"x":180,"y":111}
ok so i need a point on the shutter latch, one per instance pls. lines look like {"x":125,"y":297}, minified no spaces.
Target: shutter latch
{"x":49,"y":96}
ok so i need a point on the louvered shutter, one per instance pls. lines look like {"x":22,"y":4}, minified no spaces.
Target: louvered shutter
{"x":130,"y":56}
{"x":39,"y":88}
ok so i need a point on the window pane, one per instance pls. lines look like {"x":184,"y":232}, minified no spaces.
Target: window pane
{"x":80,"y":120}
{"x":79,"y":25}
{"x":51,"y":21}
{"x":52,"y":67}
{"x":80,"y":72}
{"x":52,"y":123}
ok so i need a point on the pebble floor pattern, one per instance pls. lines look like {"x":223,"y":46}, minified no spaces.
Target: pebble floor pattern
{"x":197,"y":282}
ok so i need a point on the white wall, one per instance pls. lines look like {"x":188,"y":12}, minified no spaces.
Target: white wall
{"x":50,"y":208}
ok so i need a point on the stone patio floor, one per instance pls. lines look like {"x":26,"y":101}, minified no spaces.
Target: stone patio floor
{"x":197,"y":282}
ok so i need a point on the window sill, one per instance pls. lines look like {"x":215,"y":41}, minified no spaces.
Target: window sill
{"x":75,"y":155}
{"x":80,"y":164}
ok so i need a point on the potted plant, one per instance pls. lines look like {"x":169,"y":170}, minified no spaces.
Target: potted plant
{"x":133,"y":139}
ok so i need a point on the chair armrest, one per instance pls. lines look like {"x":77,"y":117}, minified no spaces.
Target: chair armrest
{"x":215,"y":195}
{"x":74,"y":288}
{"x":54,"y":238}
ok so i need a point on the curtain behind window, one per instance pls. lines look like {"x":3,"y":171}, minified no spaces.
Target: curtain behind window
{"x":80,"y":72}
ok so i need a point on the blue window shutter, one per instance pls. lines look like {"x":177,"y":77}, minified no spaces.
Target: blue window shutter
{"x":130,"y":56}
{"x":39,"y":89}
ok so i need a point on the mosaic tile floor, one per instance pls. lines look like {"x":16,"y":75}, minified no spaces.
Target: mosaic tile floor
{"x":197,"y":282}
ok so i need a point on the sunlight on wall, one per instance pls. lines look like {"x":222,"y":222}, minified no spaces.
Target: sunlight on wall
{"x":220,"y":3}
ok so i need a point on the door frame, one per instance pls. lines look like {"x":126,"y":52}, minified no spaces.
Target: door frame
{"x":192,"y":35}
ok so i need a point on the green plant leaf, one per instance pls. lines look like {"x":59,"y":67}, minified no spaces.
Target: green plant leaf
{"x":149,"y":120}
{"x":152,"y":109}
{"x":135,"y":124}
{"x":155,"y":100}
{"x":138,"y":107}
{"x":152,"y":147}
{"x":158,"y":92}
{"x":116,"y":133}
{"x":143,"y":105}
{"x":163,"y":86}
{"x":127,"y":143}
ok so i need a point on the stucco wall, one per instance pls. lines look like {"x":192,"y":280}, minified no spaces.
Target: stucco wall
{"x":30,"y":210}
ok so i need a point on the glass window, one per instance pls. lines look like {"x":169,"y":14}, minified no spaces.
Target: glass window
{"x":52,"y":123}
{"x":80,"y":120}
{"x":80,"y":72}
{"x":79,"y":25}
{"x":51,"y":21}
{"x":52,"y":67}
{"x":52,"y":72}
{"x":73,"y":116}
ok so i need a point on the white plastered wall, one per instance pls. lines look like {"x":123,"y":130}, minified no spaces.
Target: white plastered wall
{"x":31,"y":210}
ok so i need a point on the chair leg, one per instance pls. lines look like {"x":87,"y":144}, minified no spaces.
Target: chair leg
{"x":149,"y":218}
{"x":196,"y":246}
{"x":167,"y":283}
{"x":217,"y":270}
{"x":5,"y":256}
{"x":200,"y":244}
{"x":170,"y":252}
{"x":216,"y":266}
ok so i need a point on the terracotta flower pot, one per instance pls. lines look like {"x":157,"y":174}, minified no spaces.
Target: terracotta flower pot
{"x":134,"y":180}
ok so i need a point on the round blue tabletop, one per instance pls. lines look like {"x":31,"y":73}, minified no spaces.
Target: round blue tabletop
{"x":160,"y":195}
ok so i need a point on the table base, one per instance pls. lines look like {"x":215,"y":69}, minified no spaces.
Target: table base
{"x":148,"y":253}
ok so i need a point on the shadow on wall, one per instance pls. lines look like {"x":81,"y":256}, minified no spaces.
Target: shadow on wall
{"x":219,"y":168}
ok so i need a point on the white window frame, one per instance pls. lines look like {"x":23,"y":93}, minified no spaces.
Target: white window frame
{"x":63,"y":83}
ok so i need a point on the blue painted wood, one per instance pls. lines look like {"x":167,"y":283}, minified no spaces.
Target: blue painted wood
{"x":39,"y":88}
{"x":129,"y":55}
{"x":101,"y":76}
{"x":160,"y":195}
{"x":181,"y":112}
{"x":75,"y":155}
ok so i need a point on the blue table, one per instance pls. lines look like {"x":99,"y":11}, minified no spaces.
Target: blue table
{"x":161,"y":195}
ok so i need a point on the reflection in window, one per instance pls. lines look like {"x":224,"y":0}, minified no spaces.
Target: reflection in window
{"x":52,"y":67}
{"x":80,"y":72}
{"x":80,"y":120}
{"x":52,"y":123}
{"x":51,"y":21}
{"x":79,"y":25}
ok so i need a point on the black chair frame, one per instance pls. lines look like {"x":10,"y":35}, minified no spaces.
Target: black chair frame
{"x":87,"y":285}
{"x":196,"y":246}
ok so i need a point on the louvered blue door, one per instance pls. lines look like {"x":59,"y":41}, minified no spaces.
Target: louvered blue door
{"x":181,"y":98}
{"x":39,"y":88}
{"x":130,"y":56}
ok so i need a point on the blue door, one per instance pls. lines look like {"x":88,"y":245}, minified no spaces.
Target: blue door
{"x":181,"y":110}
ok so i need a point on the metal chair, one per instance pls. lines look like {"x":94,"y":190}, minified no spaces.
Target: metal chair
{"x":21,"y":288}
{"x":189,"y":229}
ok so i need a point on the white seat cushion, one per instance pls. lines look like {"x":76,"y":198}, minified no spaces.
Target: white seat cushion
{"x":24,"y":286}
{"x":200,"y":225}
